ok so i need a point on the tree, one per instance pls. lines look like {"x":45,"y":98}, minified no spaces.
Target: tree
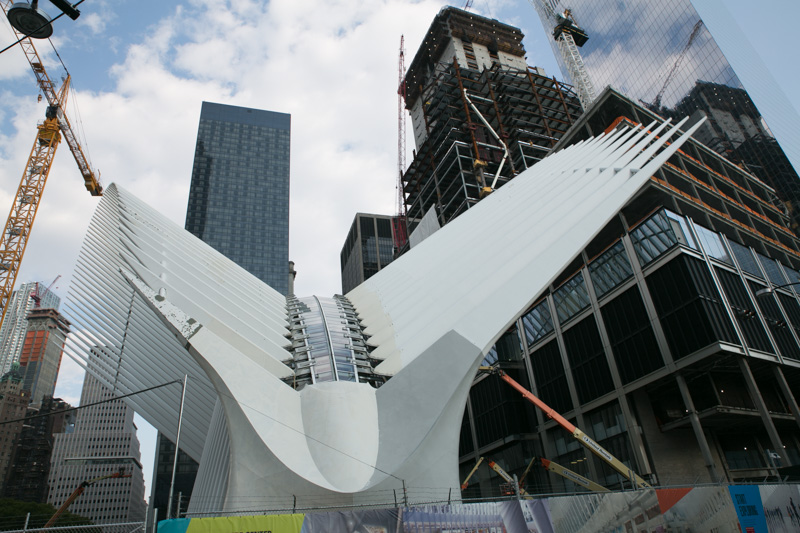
{"x":14,"y":512}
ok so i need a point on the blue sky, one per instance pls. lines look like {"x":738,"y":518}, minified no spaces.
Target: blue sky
{"x":141,"y":69}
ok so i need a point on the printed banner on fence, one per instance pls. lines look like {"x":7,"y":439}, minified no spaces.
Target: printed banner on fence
{"x":287,"y":523}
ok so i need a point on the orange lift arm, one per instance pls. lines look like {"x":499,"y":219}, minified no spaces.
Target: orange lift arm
{"x":56,"y":126}
{"x":566,"y":473}
{"x":576,"y":432}
{"x":494,"y":466}
{"x":77,"y":492}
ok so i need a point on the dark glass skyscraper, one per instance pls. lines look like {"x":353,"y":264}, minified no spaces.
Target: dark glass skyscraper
{"x":239,"y":196}
{"x":239,"y":205}
{"x":663,"y":56}
{"x":368,"y":248}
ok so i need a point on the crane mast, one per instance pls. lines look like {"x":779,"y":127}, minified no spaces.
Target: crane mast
{"x":56,"y":126}
{"x":399,"y":222}
{"x":565,"y":32}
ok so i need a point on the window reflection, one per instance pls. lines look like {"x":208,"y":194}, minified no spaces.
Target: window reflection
{"x":610,"y":269}
{"x":713,"y":245}
{"x":571,"y":298}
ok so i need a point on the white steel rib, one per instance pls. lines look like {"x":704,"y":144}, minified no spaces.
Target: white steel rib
{"x":152,"y":302}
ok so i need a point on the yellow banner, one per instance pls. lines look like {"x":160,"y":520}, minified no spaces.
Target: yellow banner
{"x":286,"y":523}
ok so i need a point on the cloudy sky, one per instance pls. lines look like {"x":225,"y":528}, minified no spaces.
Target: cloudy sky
{"x":141,"y":69}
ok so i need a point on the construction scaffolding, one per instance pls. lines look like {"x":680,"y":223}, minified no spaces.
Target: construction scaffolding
{"x":461,"y":154}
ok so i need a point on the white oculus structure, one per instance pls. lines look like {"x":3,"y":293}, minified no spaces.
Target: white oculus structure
{"x":347,"y":400}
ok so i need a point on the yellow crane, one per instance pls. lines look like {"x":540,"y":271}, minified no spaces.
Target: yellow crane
{"x":49,"y":134}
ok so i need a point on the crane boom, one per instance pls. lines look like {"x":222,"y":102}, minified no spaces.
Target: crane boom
{"x":56,"y":126}
{"x":585,"y":440}
{"x":90,"y":178}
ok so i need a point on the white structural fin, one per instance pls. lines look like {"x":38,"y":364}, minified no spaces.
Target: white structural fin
{"x":151,"y":303}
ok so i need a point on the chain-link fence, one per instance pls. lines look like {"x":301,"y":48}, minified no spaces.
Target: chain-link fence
{"x":128,"y":527}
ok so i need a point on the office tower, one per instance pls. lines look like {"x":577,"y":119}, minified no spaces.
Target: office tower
{"x":480,"y":114}
{"x":15,"y":323}
{"x":667,"y":59}
{"x":30,"y":466}
{"x":658,"y":339}
{"x":41,"y":353}
{"x":239,"y":195}
{"x":101,"y":431}
{"x":13,"y":404}
{"x":239,"y":205}
{"x":368,"y":248}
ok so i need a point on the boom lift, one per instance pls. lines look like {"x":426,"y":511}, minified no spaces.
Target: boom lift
{"x":77,"y":492}
{"x":548,"y":465}
{"x":585,"y":440}
{"x":502,"y":473}
{"x":56,"y":126}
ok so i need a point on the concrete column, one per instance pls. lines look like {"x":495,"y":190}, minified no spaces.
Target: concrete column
{"x":787,"y":393}
{"x":698,"y":429}
{"x":758,"y":400}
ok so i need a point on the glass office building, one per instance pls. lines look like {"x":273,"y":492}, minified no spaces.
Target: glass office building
{"x":368,"y":248}
{"x":239,"y":205}
{"x":664,"y":57}
{"x":239,"y":196}
{"x":658,"y":339}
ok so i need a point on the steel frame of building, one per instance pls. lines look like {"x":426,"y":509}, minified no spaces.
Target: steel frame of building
{"x":530,"y":112}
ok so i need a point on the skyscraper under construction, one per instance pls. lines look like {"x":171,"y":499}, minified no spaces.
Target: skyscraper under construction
{"x":480,"y":114}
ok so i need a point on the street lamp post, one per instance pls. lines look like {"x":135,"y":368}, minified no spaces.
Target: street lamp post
{"x":177,"y":443}
{"x":769,"y":290}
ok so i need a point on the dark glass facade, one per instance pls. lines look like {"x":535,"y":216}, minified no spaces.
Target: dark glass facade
{"x":663,"y":56}
{"x":239,"y":205}
{"x":654,"y":341}
{"x":239,"y":195}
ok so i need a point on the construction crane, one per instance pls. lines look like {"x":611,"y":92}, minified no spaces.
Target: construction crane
{"x":585,"y":440}
{"x":657,"y":100}
{"x":56,"y":126}
{"x":399,"y":223}
{"x":77,"y":492}
{"x":37,"y":294}
{"x":568,"y":37}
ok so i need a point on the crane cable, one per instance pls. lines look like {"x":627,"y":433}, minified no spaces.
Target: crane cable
{"x":39,"y":28}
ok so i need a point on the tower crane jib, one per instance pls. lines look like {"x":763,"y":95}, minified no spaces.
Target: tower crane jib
{"x":50,"y":132}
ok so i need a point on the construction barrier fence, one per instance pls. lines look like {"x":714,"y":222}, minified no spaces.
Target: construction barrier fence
{"x":736,"y":508}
